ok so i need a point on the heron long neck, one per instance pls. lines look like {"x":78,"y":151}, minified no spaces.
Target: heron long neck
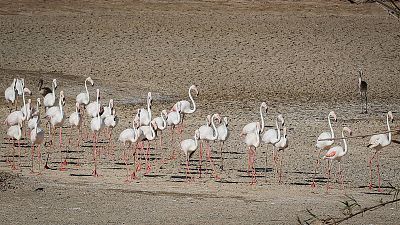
{"x":330,"y":126}
{"x":215,"y":134}
{"x":262,"y":119}
{"x":388,"y":126}
{"x":191,"y":99}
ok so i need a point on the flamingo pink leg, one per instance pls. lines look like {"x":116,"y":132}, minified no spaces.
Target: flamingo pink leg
{"x":94,"y":173}
{"x":200,"y":157}
{"x":378,"y":173}
{"x":329,"y":175}
{"x":317,"y":163}
{"x":370,"y":170}
{"x":13,"y":167}
{"x":211,"y":162}
{"x":148,"y":166}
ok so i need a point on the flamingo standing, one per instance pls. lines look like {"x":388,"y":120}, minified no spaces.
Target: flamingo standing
{"x":363,"y":88}
{"x":325,"y":144}
{"x":93,"y":108}
{"x":43,"y":90}
{"x":251,"y":127}
{"x":16,"y":117}
{"x":108,"y":110}
{"x":15,"y":133}
{"x":185,"y":107}
{"x":223,"y":134}
{"x":336,"y":153}
{"x":272,"y":136}
{"x":111,"y":122}
{"x":161,"y":125}
{"x":75,"y":120}
{"x":96,"y":125}
{"x":203,"y":127}
{"x":147,"y":133}
{"x":50,"y":98}
{"x":208,"y":134}
{"x":144,"y":116}
{"x":37,"y":138}
{"x":83,"y":98}
{"x":189,"y":146}
{"x":377,"y":142}
{"x":10,"y":94}
{"x":173,"y":119}
{"x":252,"y":140}
{"x":57,"y":120}
{"x":35,"y":115}
{"x":130,"y":136}
{"x":19,"y":87}
{"x":281,"y":145}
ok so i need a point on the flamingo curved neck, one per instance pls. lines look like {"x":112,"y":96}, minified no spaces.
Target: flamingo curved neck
{"x":87,"y":92}
{"x":215,"y":134}
{"x":330,"y":126}
{"x":23,"y":100}
{"x":388,"y":126}
{"x":164,"y":122}
{"x":61,"y":107}
{"x":344,"y":143}
{"x":191,"y":99}
{"x":149,"y":108}
{"x":54,"y":91}
{"x":279,"y":131}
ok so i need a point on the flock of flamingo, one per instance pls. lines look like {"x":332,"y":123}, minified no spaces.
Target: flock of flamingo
{"x":146,"y":128}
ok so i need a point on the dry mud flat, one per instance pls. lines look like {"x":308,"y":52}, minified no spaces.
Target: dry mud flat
{"x":301,"y":58}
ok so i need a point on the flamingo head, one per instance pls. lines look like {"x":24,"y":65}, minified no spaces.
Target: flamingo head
{"x":360,"y":72}
{"x":225,"y":121}
{"x":90,"y":80}
{"x":62,"y":97}
{"x":164,"y":112}
{"x":111,"y":103}
{"x":348,"y":130}
{"x":193,"y":87}
{"x":27,"y":91}
{"x":149,"y":98}
{"x":284,"y":132}
{"x":333,"y":114}
{"x":178,"y":107}
{"x":55,"y":83}
{"x":390,"y":115}
{"x":38,"y":101}
{"x":280,"y":118}
{"x":264,"y":105}
{"x":78,"y":109}
{"x":197,"y":135}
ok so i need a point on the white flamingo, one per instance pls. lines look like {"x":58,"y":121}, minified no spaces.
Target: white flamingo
{"x":57,"y":120}
{"x":27,"y":109}
{"x":208,"y":134}
{"x":251,"y":127}
{"x":144,"y":116}
{"x":10,"y":94}
{"x":15,"y":132}
{"x":223,"y":134}
{"x":173,"y":119}
{"x":111,"y":122}
{"x":185,"y":107}
{"x":37,"y":138}
{"x":83,"y":98}
{"x":253,"y":140}
{"x":130,"y":136}
{"x":161,"y":125}
{"x":378,"y":142}
{"x":281,"y":145}
{"x":188,"y":147}
{"x":325,"y":144}
{"x":93,"y":108}
{"x":147,"y":133}
{"x":16,"y":117}
{"x":75,"y":120}
{"x":35,"y":115}
{"x":96,"y":125}
{"x":50,"y":98}
{"x":336,"y":153}
{"x":19,"y":85}
{"x":272,"y":136}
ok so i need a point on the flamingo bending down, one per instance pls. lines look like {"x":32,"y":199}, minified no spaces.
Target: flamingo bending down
{"x":208,"y":134}
{"x":50,"y":98}
{"x":272,"y":136}
{"x":223,"y":134}
{"x":253,"y":140}
{"x":251,"y":127}
{"x":377,"y":142}
{"x":130,"y":136}
{"x":147,"y":133}
{"x":144,"y":116}
{"x":173,"y":119}
{"x":161,"y":122}
{"x":185,"y":105}
{"x":37,"y":138}
{"x":96,"y":125}
{"x":336,"y":153}
{"x":10,"y":94}
{"x":15,"y":133}
{"x":324,"y":145}
{"x":189,"y":146}
{"x":43,"y":90}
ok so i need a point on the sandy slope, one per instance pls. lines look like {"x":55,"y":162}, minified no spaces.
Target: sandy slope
{"x":301,"y":58}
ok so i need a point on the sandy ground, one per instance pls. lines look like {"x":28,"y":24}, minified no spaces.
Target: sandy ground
{"x":300,"y":57}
